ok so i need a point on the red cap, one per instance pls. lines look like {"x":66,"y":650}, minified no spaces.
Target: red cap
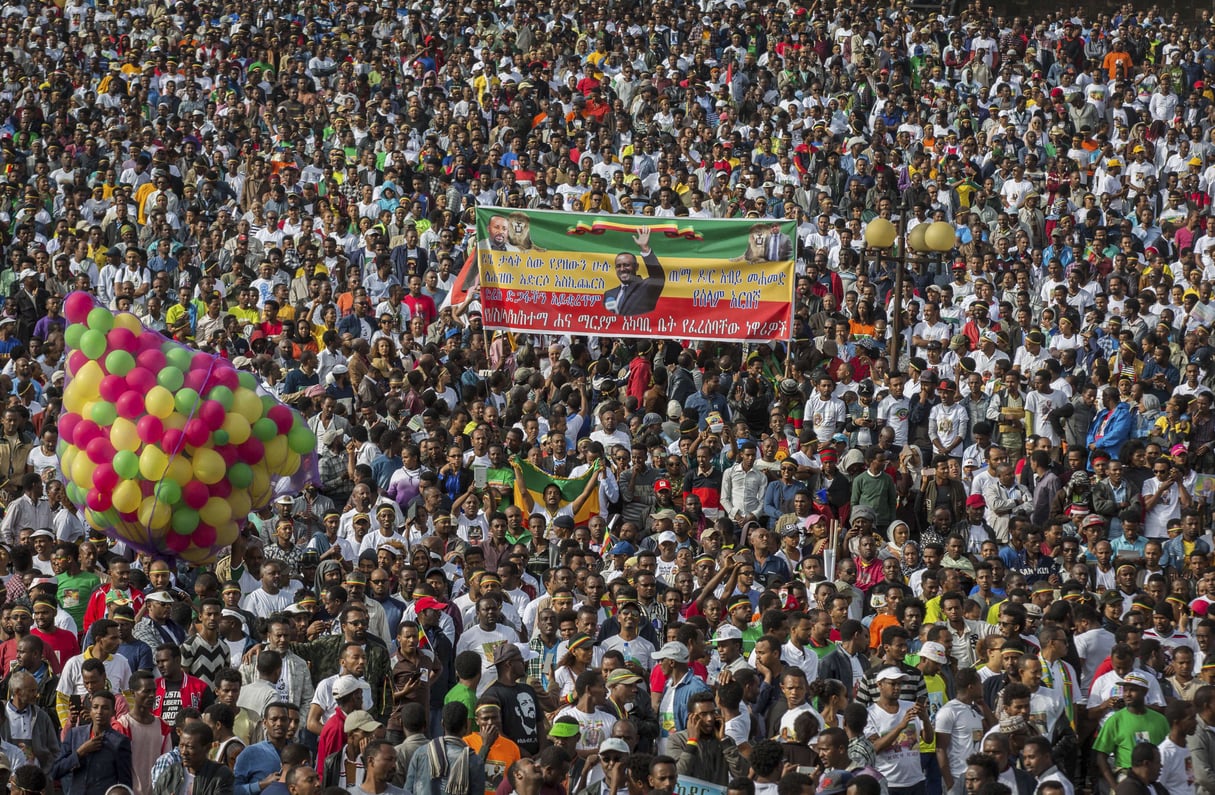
{"x":976,"y":501}
{"x":428,"y":603}
{"x":662,"y":483}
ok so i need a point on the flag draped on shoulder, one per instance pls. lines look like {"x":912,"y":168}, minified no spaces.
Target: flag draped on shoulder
{"x":535,"y":481}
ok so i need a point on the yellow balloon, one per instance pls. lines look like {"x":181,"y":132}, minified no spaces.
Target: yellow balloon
{"x":67,"y":459}
{"x":75,"y":398}
{"x":153,"y":513}
{"x":209,"y":466}
{"x":292,"y":464}
{"x":127,"y":496}
{"x":260,"y":484}
{"x":240,"y":503}
{"x":153,"y":463}
{"x":225,"y":535}
{"x":180,"y":470}
{"x":159,"y":402}
{"x":88,"y":380}
{"x":128,"y":321}
{"x":197,"y":555}
{"x":246,"y":403}
{"x":82,"y":471}
{"x":124,"y":435}
{"x":94,"y":520}
{"x":216,"y":512}
{"x":276,"y":453}
{"x":238,"y":428}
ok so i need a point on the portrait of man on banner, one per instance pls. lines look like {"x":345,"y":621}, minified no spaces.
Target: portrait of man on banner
{"x":636,"y":295}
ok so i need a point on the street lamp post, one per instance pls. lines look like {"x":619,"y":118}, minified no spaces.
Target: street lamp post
{"x":881,"y":236}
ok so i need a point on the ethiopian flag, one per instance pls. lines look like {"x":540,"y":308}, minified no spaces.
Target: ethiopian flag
{"x":535,"y":481}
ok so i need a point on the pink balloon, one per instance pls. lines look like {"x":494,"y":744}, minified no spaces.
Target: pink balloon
{"x":252,"y":450}
{"x":76,"y":360}
{"x":112,"y":387}
{"x":204,"y":362}
{"x":77,"y":306}
{"x":141,"y":380}
{"x":105,"y":478}
{"x":67,"y":427}
{"x":223,"y":489}
{"x":147,"y":487}
{"x":130,"y":404}
{"x":150,"y":429}
{"x":177,"y":543}
{"x":197,"y":433}
{"x":86,"y":431}
{"x":213,"y":413}
{"x":122,"y":339}
{"x":195,"y":379}
{"x":226,"y":376}
{"x":151,"y":359}
{"x":282,"y":418}
{"x":173,"y":441}
{"x":203,"y":535}
{"x":195,"y":494}
{"x":98,"y":500}
{"x":229,"y":453}
{"x":100,"y":451}
{"x":150,"y":341}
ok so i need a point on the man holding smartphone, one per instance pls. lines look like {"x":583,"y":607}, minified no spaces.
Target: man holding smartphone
{"x":703,"y":750}
{"x":94,"y":755}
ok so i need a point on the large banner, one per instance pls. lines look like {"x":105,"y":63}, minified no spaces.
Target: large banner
{"x":635,"y":276}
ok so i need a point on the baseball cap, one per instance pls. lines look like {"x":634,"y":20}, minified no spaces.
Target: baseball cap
{"x":344,"y":686}
{"x":428,"y":603}
{"x":891,"y":674}
{"x":661,"y":484}
{"x":833,"y":782}
{"x":672,"y":650}
{"x":934,"y":651}
{"x":613,"y":745}
{"x":361,"y":720}
{"x":727,"y":632}
{"x":164,"y":597}
{"x":667,"y":537}
{"x":622,"y":676}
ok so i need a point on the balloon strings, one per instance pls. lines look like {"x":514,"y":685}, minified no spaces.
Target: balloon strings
{"x":173,"y":455}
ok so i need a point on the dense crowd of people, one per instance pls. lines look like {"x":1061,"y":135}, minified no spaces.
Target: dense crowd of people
{"x":974,"y":558}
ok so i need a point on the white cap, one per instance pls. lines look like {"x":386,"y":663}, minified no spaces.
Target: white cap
{"x":934,"y":651}
{"x":667,"y":536}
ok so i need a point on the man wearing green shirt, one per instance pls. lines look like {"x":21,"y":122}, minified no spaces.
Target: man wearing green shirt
{"x":74,"y":586}
{"x":875,"y":488}
{"x":468,"y":669}
{"x":1127,"y":727}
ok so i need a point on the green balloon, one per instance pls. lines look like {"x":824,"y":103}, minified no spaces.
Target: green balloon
{"x":247,"y":380}
{"x":221,"y":395}
{"x":103,"y":413}
{"x":126,"y":464}
{"x":240,"y":475}
{"x":220,"y":437}
{"x":179,"y":358}
{"x":301,"y":439}
{"x":101,"y":320}
{"x":186,"y":400}
{"x":168,"y":492}
{"x":170,"y":378}
{"x":73,"y":333}
{"x":267,"y":404}
{"x":265,"y":429}
{"x":120,"y":363}
{"x":60,"y":447}
{"x":74,"y":493}
{"x":93,"y":344}
{"x":184,"y":521}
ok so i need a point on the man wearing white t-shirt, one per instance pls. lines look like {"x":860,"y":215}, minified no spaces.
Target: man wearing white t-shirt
{"x":895,"y":729}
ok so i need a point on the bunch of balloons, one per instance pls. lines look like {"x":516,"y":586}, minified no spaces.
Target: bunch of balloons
{"x":167,"y":448}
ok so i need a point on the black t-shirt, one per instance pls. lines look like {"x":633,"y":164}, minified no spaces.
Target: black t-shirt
{"x":521,"y":714}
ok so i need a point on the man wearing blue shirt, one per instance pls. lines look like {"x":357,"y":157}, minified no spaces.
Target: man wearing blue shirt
{"x":259,"y":765}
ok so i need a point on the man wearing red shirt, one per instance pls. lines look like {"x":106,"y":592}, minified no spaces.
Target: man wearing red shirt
{"x":61,"y":645}
{"x":120,"y":585}
{"x":419,"y":304}
{"x":348,"y":698}
{"x":176,"y":689}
